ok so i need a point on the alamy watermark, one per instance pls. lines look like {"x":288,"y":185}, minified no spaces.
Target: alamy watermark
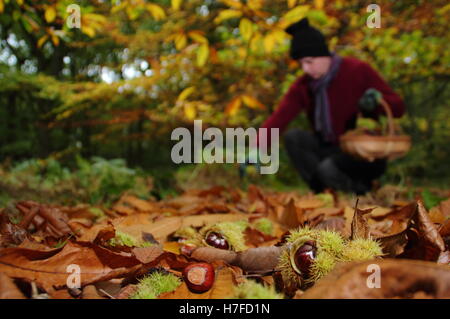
{"x":374,"y":20}
{"x":74,"y":17}
{"x":74,"y":279}
{"x":231,"y":149}
{"x":374,"y":279}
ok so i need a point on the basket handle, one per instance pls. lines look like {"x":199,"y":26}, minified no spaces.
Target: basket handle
{"x":390,"y":118}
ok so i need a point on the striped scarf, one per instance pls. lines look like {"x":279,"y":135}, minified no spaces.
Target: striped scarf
{"x":322,"y":118}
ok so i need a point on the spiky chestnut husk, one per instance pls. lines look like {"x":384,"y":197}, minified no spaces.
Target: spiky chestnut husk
{"x":331,"y":249}
{"x":189,"y":234}
{"x":151,"y":286}
{"x":264,"y":225}
{"x":124,"y":239}
{"x":233,"y":232}
{"x":361,"y":249}
{"x":252,"y":290}
{"x":329,"y":246}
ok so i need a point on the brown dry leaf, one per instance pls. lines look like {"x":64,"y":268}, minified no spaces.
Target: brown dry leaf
{"x":360,"y":227}
{"x":139,"y":205}
{"x":10,"y":234}
{"x":256,"y":238}
{"x":327,"y":211}
{"x":444,"y":230}
{"x":123,"y":209}
{"x":309,"y":203}
{"x":427,"y":228}
{"x":445,"y":208}
{"x":50,"y":220}
{"x":423,"y":236}
{"x":49,"y":269}
{"x":147,"y":254}
{"x":420,"y":240}
{"x":136,"y":224}
{"x":223,"y":287}
{"x":400,"y":218}
{"x":436,"y":216}
{"x":444,"y":258}
{"x":8,"y":290}
{"x":394,"y":245}
{"x":379,"y":212}
{"x":173,"y":247}
{"x":336,"y":224}
{"x":60,"y":294}
{"x":126,"y":292}
{"x":399,"y":279}
{"x":292,"y":216}
{"x":90,"y":292}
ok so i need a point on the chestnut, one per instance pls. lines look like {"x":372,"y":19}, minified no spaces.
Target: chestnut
{"x":217,"y":240}
{"x":304,"y":256}
{"x":199,"y":277}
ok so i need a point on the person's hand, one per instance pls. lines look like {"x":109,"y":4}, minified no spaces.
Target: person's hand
{"x":369,"y":101}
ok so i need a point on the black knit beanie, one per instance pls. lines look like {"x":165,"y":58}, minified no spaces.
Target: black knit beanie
{"x":306,"y":40}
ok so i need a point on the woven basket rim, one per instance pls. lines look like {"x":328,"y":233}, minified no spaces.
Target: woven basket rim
{"x":375,"y":138}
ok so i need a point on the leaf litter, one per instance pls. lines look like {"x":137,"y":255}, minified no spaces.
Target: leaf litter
{"x":117,"y":248}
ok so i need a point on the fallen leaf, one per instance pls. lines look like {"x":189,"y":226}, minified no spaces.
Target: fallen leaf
{"x":360,"y":227}
{"x":49,"y":269}
{"x":8,"y":290}
{"x":399,"y":279}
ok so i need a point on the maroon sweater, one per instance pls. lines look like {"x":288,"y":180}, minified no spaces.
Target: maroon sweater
{"x":352,"y":80}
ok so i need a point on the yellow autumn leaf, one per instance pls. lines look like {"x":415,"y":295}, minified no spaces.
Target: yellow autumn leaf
{"x":19,"y":2}
{"x":232,"y":3}
{"x":180,"y":41}
{"x":273,"y":38}
{"x":185,"y":93}
{"x":319,"y":4}
{"x":253,"y":103}
{"x":55,"y":40}
{"x":189,"y":111}
{"x":254,"y":4}
{"x":269,"y":42}
{"x":293,"y":16}
{"x":156,"y":11}
{"x":197,"y":36}
{"x":42,"y":40}
{"x":176,"y":4}
{"x":256,"y":41}
{"x":118,"y":7}
{"x":233,"y":106}
{"x":227,"y":14}
{"x":246,"y":28}
{"x":50,"y":14}
{"x":202,"y":54}
{"x":88,"y":31}
{"x":132,"y":13}
{"x":2,"y":6}
{"x":291,"y":3}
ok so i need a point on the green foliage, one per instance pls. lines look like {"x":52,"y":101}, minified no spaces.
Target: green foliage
{"x":151,"y":286}
{"x":95,"y":181}
{"x":196,"y":62}
{"x":430,"y":199}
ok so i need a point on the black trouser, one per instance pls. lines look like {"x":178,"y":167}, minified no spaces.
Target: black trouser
{"x":323,"y":165}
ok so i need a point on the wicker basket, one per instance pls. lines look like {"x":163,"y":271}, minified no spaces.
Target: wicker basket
{"x":370,"y":147}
